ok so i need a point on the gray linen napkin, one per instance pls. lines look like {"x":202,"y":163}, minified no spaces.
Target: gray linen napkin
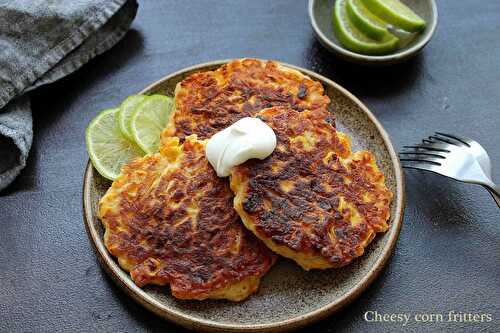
{"x":42,"y":41}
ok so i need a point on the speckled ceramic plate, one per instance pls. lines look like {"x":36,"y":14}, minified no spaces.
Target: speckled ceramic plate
{"x":289,"y":297}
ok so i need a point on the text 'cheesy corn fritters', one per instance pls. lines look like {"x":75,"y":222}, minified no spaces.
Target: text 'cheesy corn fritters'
{"x":312,"y":200}
{"x":208,"y":102}
{"x":170,"y":220}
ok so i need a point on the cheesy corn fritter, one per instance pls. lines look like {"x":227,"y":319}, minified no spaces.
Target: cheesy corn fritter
{"x":313,"y":200}
{"x":210,"y":101}
{"x":169,"y":220}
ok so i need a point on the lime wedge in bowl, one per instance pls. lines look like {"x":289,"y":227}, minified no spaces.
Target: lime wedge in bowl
{"x":127,"y":109}
{"x":108,"y":149}
{"x":396,"y":13}
{"x":149,"y":119}
{"x":365,"y":21}
{"x":353,"y":39}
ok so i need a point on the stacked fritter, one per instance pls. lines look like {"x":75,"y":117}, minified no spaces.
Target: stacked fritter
{"x":170,"y":220}
{"x":312,"y":200}
{"x":208,"y":102}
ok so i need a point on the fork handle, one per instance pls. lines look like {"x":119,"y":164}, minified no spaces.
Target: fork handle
{"x":495,"y":192}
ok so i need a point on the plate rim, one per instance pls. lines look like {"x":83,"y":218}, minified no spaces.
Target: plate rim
{"x":120,"y":277}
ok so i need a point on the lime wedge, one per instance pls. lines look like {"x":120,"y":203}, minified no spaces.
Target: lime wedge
{"x":355,"y":40}
{"x":396,"y":13}
{"x":108,"y":149}
{"x":127,"y":109}
{"x":365,"y":21}
{"x":149,"y":119}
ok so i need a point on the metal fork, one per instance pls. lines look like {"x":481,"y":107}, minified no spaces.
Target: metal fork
{"x":452,"y":156}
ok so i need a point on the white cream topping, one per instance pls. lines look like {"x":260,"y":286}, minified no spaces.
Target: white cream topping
{"x":245,"y":139}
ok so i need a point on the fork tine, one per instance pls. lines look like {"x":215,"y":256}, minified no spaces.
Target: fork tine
{"x":424,"y":159}
{"x":435,"y":138}
{"x":433,"y":146}
{"x":466,"y":141}
{"x":419,"y":165}
{"x":419,"y":152}
{"x":450,"y":140}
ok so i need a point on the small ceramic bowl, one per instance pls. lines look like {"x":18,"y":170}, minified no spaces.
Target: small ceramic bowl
{"x":320,"y":14}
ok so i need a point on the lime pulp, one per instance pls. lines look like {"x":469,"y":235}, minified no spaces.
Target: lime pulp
{"x":127,"y":109}
{"x":365,"y":21}
{"x":108,"y":149}
{"x":149,"y":119}
{"x":396,"y":13}
{"x":353,"y":39}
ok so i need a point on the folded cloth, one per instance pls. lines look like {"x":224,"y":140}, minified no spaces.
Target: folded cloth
{"x":40,"y":42}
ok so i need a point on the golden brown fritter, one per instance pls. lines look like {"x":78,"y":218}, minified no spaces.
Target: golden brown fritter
{"x":170,"y":220}
{"x":312,"y":200}
{"x":208,"y":102}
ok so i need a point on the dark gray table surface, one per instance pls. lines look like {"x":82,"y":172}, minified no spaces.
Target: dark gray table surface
{"x":448,"y":254}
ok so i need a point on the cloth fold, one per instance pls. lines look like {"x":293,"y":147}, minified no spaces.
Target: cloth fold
{"x":40,"y":42}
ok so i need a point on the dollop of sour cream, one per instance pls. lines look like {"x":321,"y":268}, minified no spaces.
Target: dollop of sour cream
{"x":245,"y":139}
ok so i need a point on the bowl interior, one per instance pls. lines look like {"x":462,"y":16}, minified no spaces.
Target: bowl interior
{"x":289,"y":296}
{"x":321,"y":14}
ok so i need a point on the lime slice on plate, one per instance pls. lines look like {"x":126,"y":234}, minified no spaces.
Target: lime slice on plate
{"x":108,"y":149}
{"x":396,"y":13}
{"x":365,"y":21}
{"x":149,"y":119}
{"x":127,"y":109}
{"x":353,"y":39}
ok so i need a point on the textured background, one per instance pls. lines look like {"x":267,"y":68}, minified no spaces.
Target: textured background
{"x":448,"y":254}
